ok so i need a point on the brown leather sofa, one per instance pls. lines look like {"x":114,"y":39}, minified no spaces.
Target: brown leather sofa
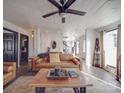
{"x":9,"y":72}
{"x":66,"y":61}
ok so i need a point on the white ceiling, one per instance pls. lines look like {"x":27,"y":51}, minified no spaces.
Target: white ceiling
{"x":28,"y":14}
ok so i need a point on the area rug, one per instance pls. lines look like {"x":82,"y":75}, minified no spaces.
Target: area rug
{"x":20,"y":85}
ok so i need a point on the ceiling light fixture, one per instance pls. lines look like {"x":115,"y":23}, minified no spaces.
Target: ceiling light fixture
{"x":62,"y":15}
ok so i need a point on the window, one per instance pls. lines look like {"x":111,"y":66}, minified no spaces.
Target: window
{"x":83,"y":46}
{"x":115,"y":39}
{"x":77,"y":47}
{"x":110,"y":48}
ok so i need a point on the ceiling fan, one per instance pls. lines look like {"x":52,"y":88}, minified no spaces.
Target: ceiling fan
{"x":63,"y":6}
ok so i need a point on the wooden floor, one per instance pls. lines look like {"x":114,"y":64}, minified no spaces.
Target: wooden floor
{"x":24,"y":70}
{"x":101,"y":74}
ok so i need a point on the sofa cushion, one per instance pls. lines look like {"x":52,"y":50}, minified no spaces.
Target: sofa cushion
{"x":66,"y":57}
{"x":7,"y":69}
{"x":69,"y":64}
{"x":45,"y":65}
{"x":64,"y":64}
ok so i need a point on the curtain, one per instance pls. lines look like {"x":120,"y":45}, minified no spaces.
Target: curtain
{"x":101,"y":50}
{"x":118,"y":70}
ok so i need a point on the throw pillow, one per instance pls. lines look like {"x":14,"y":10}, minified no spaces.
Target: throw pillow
{"x":43,"y":55}
{"x":54,"y":58}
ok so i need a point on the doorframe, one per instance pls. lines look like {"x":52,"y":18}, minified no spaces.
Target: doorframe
{"x":27,"y":47}
{"x":16,"y":33}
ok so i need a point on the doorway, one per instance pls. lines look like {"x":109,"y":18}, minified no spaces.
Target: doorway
{"x":23,"y":49}
{"x":10,"y":46}
{"x":110,"y":50}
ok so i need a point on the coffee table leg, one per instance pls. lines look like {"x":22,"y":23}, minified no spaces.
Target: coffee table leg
{"x":76,"y":90}
{"x":36,"y":90}
{"x":82,"y":89}
{"x":42,"y":89}
{"x":39,"y":90}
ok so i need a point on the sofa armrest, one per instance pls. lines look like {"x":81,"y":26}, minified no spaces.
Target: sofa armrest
{"x":75,"y":61}
{"x":13,"y":64}
{"x":34,"y":59}
{"x":77,"y":58}
{"x":33,"y":64}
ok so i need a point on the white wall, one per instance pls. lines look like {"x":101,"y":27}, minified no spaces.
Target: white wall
{"x":91,"y":36}
{"x":18,"y":29}
{"x":37,"y":42}
{"x":42,"y":40}
{"x":46,"y":39}
{"x":109,"y":27}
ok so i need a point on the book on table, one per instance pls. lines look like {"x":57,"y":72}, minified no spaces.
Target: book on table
{"x":73,"y":73}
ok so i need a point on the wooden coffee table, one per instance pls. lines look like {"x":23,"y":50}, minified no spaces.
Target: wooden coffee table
{"x":40,"y":82}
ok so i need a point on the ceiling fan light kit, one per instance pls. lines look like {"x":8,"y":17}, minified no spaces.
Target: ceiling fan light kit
{"x":63,"y":9}
{"x":62,"y":15}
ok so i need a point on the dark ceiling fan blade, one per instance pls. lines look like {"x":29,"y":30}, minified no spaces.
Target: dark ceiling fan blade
{"x":71,"y":11}
{"x":68,"y":4}
{"x":47,"y":15}
{"x":63,"y":20}
{"x":56,"y":4}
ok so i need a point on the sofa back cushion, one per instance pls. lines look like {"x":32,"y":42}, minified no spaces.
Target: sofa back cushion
{"x":7,"y":68}
{"x":66,"y":57}
{"x":42,"y":60}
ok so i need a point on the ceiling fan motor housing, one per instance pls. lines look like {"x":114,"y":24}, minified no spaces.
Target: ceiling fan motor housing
{"x":62,"y":2}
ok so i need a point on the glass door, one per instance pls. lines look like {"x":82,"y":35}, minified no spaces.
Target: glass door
{"x":110,"y":50}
